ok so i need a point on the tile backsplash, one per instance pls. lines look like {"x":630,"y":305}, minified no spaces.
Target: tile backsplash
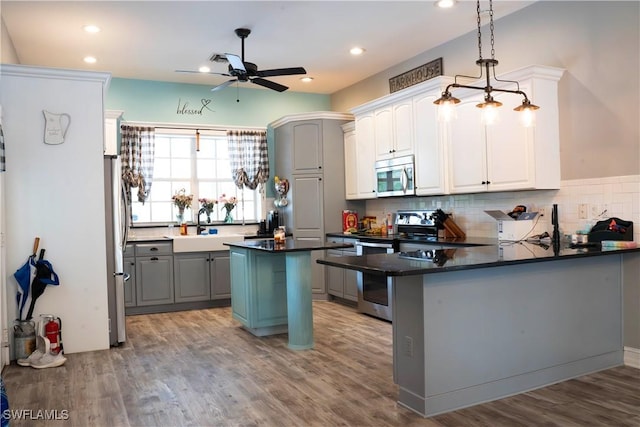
{"x":595,"y":198}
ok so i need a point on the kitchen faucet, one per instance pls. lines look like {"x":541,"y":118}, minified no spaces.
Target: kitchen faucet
{"x":200,"y":228}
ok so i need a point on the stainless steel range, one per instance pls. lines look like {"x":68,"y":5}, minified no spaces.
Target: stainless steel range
{"x":375,"y":293}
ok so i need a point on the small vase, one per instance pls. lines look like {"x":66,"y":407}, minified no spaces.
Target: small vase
{"x":228,"y":218}
{"x":180,"y":216}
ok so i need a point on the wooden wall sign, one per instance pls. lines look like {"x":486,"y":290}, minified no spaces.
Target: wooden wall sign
{"x":417,"y":75}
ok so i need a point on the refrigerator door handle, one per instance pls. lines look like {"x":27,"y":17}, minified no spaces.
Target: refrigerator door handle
{"x":127,"y":276}
{"x":125,"y":212}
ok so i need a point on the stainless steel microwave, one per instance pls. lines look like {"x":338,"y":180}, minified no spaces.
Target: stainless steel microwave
{"x":395,"y":177}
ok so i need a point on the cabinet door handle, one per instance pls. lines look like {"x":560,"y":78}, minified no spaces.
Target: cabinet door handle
{"x":319,"y":167}
{"x":155,"y":258}
{"x":153,"y":249}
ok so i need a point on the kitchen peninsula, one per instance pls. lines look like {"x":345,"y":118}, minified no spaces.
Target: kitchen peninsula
{"x":476,"y":324}
{"x":271,"y":287}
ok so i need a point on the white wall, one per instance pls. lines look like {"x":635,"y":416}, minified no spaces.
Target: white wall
{"x":8,"y":53}
{"x":56,"y":192}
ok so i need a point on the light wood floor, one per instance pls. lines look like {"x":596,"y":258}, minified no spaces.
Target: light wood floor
{"x":199,"y":368}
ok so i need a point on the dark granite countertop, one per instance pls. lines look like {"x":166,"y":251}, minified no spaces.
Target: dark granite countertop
{"x":289,"y":245}
{"x":401,"y":238}
{"x":465,"y":258}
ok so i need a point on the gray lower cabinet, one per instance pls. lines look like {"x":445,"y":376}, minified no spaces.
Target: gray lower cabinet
{"x":341,"y":282}
{"x":220,"y":275}
{"x":201,"y":276}
{"x":191,"y":277}
{"x":129,"y":264}
{"x":154,"y":274}
{"x":154,"y":280}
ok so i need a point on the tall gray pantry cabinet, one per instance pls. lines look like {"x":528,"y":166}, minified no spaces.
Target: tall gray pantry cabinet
{"x":309,"y":152}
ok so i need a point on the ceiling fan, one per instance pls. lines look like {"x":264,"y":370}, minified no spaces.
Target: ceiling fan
{"x":248,"y":71}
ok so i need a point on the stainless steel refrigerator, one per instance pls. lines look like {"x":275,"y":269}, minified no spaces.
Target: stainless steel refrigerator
{"x":117,"y":226}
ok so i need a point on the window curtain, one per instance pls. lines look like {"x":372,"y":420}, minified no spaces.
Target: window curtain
{"x":137,"y":153}
{"x":249,"y":158}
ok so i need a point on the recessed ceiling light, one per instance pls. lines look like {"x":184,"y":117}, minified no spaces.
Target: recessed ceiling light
{"x":306,"y":79}
{"x":90,"y":59}
{"x":91,"y":28}
{"x":204,"y":69}
{"x":445,"y":4}
{"x":356,"y":51}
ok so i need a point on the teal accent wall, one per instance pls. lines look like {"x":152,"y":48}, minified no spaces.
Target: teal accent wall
{"x":166,"y":102}
{"x":154,"y":101}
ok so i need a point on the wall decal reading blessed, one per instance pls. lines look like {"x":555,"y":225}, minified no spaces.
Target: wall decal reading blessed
{"x":186,"y":109}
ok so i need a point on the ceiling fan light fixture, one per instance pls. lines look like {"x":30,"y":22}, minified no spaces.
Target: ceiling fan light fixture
{"x":306,"y":79}
{"x":356,"y":51}
{"x":204,"y":69}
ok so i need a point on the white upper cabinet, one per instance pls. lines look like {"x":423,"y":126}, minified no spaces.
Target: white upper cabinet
{"x":359,"y":159}
{"x":111,"y":132}
{"x":507,"y":156}
{"x":466,"y":151}
{"x":429,"y":146}
{"x":394,"y":130}
{"x":465,"y":156}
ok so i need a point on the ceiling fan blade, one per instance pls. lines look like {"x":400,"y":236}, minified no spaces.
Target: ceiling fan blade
{"x":200,"y":72}
{"x":235,"y":62}
{"x":281,"y":72}
{"x":269,"y":84}
{"x":223,"y":85}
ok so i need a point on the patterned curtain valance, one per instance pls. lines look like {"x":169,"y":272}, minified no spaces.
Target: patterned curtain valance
{"x":249,"y":158}
{"x":137,"y":154}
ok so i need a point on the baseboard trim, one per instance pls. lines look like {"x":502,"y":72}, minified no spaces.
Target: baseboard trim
{"x":632,"y":357}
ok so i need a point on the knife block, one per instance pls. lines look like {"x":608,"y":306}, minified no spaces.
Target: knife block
{"x":451,"y":229}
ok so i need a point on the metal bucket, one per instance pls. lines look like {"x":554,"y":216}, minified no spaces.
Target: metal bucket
{"x":24,"y":338}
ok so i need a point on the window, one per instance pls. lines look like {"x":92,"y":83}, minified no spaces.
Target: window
{"x":205,"y":174}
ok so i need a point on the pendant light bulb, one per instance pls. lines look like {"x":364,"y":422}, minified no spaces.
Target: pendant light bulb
{"x":490,"y":114}
{"x":197,"y":140}
{"x":447,"y":111}
{"x":528,"y":117}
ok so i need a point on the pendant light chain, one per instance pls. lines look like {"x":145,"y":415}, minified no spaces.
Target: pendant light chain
{"x":493,"y":50}
{"x":479,"y":33}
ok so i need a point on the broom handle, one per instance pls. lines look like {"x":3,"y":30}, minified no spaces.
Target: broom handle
{"x":36,"y":243}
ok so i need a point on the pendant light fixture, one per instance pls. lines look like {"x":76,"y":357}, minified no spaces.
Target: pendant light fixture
{"x":197,"y":139}
{"x":447,"y":101}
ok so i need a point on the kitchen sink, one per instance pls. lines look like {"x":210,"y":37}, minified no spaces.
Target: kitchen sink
{"x":203,"y":243}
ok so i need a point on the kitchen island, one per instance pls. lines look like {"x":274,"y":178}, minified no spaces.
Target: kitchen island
{"x":476,"y":324}
{"x":271,"y":287}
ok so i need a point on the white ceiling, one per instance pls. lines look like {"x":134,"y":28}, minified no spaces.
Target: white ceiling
{"x":150,"y":39}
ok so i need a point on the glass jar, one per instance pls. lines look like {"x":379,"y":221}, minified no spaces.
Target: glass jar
{"x":279,"y":235}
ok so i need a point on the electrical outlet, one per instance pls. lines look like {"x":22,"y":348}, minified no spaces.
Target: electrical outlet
{"x":408,"y":346}
{"x":582,"y":211}
{"x":542,"y":211}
